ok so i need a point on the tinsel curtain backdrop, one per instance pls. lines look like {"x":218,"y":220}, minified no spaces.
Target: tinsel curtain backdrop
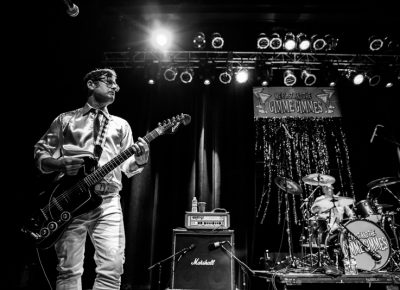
{"x":294,"y":147}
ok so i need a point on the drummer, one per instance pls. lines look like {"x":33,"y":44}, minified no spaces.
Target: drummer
{"x":336,"y":212}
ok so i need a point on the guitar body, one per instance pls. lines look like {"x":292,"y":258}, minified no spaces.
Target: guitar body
{"x":67,"y":198}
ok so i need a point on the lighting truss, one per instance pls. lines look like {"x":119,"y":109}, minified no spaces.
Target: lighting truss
{"x":248,"y":59}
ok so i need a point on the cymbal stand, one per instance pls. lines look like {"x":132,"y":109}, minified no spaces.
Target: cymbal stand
{"x":309,"y":227}
{"x":395,"y":252}
{"x":288,"y":229}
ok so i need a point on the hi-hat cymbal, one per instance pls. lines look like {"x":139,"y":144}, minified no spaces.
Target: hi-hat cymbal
{"x":318,"y":179}
{"x":384,"y":181}
{"x":288,"y":185}
{"x":324,"y":204}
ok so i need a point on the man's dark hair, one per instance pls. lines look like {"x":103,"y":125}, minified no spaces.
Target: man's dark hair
{"x":96,"y":74}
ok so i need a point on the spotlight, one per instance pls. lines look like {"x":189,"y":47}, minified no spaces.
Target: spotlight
{"x":242,"y":75}
{"x":308,"y":78}
{"x":375,"y":43}
{"x":289,"y":79}
{"x":217,"y":41}
{"x":199,"y":41}
{"x":262,"y":41}
{"x":373,"y":79}
{"x":331,"y":77}
{"x":290,"y":41}
{"x":226,"y":76}
{"x":331,"y":42}
{"x":275,"y":41}
{"x":264,"y":76}
{"x":318,"y":42}
{"x":186,"y":76}
{"x":170,"y":74}
{"x":161,"y":39}
{"x":303,"y":42}
{"x":357,"y":78}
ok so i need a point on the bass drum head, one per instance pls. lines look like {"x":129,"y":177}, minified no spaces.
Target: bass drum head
{"x":373,"y":237}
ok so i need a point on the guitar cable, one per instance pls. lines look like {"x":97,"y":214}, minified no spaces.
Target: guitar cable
{"x":43,"y":270}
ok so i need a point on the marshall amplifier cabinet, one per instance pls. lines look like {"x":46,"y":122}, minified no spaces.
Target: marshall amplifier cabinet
{"x":205,"y":265}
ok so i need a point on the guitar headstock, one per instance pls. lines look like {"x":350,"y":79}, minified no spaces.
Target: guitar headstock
{"x":170,"y":126}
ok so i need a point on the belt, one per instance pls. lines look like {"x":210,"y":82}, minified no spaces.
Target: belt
{"x":105,"y":188}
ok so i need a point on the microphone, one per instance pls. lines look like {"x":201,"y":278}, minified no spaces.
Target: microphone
{"x":374,"y":255}
{"x":215,"y":245}
{"x":374,"y":133}
{"x":72,"y":9}
{"x":191,"y":247}
{"x":185,"y":250}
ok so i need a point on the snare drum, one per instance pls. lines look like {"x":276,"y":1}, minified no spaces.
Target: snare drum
{"x":365,"y":210}
{"x":373,"y":237}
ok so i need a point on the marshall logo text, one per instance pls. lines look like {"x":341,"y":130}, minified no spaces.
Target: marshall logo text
{"x":200,"y":262}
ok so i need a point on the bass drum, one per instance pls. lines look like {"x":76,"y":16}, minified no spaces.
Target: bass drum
{"x":370,"y":235}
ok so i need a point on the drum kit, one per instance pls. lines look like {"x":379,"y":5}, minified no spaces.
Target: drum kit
{"x":338,"y":228}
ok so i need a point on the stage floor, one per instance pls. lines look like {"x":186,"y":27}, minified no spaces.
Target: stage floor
{"x":292,"y":279}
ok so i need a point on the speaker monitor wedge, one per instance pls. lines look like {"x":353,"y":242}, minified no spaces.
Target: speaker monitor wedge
{"x":207,"y":265}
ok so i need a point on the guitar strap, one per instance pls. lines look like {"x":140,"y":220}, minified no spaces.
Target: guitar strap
{"x":100,"y":140}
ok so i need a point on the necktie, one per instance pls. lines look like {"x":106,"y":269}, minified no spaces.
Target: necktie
{"x":96,"y":129}
{"x":96,"y":124}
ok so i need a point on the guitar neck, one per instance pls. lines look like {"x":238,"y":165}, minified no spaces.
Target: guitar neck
{"x":99,"y":173}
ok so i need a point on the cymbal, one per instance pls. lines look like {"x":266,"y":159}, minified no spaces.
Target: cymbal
{"x":318,"y":179}
{"x":384,"y":181}
{"x":324,"y":204}
{"x":288,"y":185}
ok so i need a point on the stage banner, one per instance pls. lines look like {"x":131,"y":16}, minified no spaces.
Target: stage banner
{"x":295,"y":102}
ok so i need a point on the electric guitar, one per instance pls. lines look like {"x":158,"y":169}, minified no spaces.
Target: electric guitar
{"x":71,"y":196}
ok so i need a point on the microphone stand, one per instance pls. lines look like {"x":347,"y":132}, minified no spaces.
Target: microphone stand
{"x":159,"y":263}
{"x":242,"y":264}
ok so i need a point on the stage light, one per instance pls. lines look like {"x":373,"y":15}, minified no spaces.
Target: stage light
{"x":303,"y":42}
{"x":217,"y":42}
{"x":170,"y":73}
{"x":262,"y":41}
{"x":289,"y":79}
{"x":242,"y":75}
{"x":318,"y":42}
{"x":187,"y":75}
{"x":373,"y":78}
{"x":161,"y":39}
{"x":290,"y":41}
{"x":199,"y":41}
{"x":308,"y":77}
{"x":357,"y":78}
{"x":375,"y":43}
{"x":225,"y":77}
{"x":331,"y":42}
{"x":263,"y":75}
{"x":275,"y":41}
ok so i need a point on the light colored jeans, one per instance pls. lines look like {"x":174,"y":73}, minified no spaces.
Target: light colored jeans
{"x":105,"y":227}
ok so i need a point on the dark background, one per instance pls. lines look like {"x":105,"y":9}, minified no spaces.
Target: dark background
{"x":51,"y":52}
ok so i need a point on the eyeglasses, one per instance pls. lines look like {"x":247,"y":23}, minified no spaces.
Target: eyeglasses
{"x":109,"y":83}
